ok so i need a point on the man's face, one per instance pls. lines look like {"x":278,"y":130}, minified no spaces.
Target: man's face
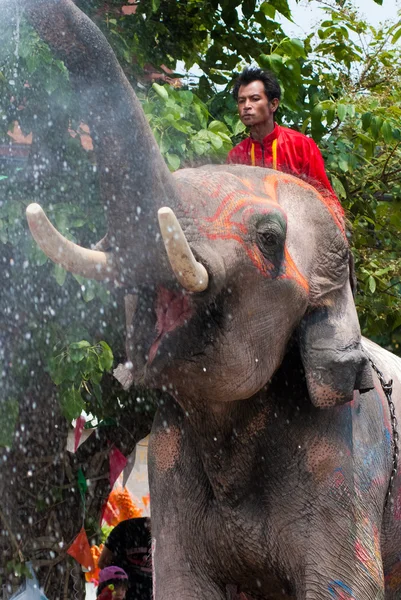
{"x":119,"y":593}
{"x":253,"y":105}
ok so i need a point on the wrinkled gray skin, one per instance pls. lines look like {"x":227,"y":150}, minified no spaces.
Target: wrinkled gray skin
{"x":270,"y":460}
{"x":266,"y":469}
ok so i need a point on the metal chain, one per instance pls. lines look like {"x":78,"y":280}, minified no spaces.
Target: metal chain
{"x":388,"y":389}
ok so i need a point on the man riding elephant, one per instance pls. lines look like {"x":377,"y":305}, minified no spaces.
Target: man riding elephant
{"x":258,"y":94}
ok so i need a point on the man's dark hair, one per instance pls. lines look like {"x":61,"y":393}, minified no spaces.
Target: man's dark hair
{"x":250,"y":74}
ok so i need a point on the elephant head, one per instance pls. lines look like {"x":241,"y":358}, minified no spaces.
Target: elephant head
{"x":222,"y":266}
{"x":251,"y":258}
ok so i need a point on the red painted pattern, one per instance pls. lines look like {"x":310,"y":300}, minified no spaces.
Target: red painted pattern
{"x":330,"y":202}
{"x":222,"y":225}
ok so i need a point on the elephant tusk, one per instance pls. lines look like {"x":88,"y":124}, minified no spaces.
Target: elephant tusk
{"x":191,"y":274}
{"x":92,"y":264}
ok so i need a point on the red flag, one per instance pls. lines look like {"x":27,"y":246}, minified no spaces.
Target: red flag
{"x":80,"y":550}
{"x":79,"y":427}
{"x":117,"y":462}
{"x":109,"y":514}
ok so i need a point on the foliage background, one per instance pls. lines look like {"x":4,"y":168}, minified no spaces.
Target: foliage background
{"x":341,"y":85}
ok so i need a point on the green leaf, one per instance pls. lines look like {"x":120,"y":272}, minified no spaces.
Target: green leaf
{"x":96,"y":377}
{"x":82,"y":485}
{"x":372,"y":284}
{"x":298,"y":47}
{"x":89,"y":291}
{"x":77,"y":350}
{"x":282,"y":7}
{"x":387,"y":132}
{"x":200,"y":148}
{"x":9,"y":411}
{"x":201,"y":113}
{"x":218,"y":127}
{"x":366,"y":120}
{"x":338,"y":187}
{"x":97,"y":390}
{"x":72,"y":403}
{"x":79,"y":345}
{"x":341,"y":111}
{"x":382,"y":272}
{"x":59,"y":274}
{"x":106,"y":357}
{"x":56,"y":373}
{"x":327,"y":104}
{"x":343,"y":163}
{"x":248,"y":8}
{"x":330,"y":116}
{"x":173,"y":161}
{"x":397,"y":323}
{"x":239,"y":127}
{"x":268,"y":9}
{"x":375,"y":126}
{"x":160,"y":90}
{"x":397,"y":34}
{"x":185,"y":97}
{"x":215,"y":140}
{"x":61,"y":369}
{"x":184,"y":126}
{"x":217,"y":78}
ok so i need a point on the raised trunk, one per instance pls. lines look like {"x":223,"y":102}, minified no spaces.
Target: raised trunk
{"x":134,"y":178}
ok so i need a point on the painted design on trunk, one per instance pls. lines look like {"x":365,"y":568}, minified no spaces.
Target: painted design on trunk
{"x":340,"y":591}
{"x":224,"y":226}
{"x":367,"y":550}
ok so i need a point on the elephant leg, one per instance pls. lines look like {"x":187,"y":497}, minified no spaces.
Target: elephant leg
{"x":170,"y":586}
{"x":176,"y":576}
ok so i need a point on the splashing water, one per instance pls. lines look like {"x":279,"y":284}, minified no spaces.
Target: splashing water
{"x":16,"y":37}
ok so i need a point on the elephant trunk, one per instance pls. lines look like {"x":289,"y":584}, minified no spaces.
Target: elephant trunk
{"x":134,"y":179}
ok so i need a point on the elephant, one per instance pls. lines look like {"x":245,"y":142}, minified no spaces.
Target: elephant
{"x":273,"y":454}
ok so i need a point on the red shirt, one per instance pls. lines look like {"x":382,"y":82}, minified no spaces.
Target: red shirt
{"x":295,"y":153}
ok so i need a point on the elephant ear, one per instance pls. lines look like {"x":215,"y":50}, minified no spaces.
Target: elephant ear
{"x":331,"y":351}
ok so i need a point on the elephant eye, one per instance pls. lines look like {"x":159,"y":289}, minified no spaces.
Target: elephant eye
{"x":270,"y":232}
{"x":267,"y":239}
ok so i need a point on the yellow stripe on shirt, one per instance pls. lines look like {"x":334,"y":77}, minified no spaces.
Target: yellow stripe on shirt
{"x":253,"y":162}
{"x":274,"y":154}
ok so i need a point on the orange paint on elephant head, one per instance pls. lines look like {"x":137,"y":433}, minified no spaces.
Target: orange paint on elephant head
{"x":230,"y":222}
{"x":330,"y":202}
